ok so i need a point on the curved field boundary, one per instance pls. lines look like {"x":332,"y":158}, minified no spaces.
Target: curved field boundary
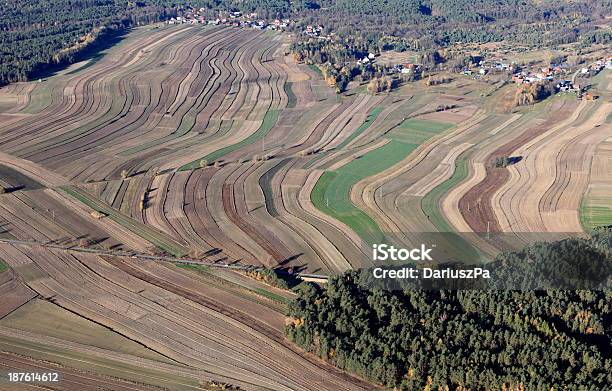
{"x":378,"y":194}
{"x":481,"y":217}
{"x":332,"y":193}
{"x":455,"y":166}
{"x":291,"y":98}
{"x":151,"y":235}
{"x":232,"y":340}
{"x":404,"y":139}
{"x":268,"y":123}
{"x":362,"y":128}
{"x":552,"y":176}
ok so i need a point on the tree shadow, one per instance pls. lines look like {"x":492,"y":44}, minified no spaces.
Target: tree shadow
{"x":93,"y":52}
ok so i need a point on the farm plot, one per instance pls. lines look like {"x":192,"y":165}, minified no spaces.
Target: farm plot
{"x":475,"y":205}
{"x":210,"y":143}
{"x":596,"y":207}
{"x":153,"y":236}
{"x":398,"y":190}
{"x":44,"y":318}
{"x":14,"y":293}
{"x":332,"y":192}
{"x":70,"y":379}
{"x":151,"y":106}
{"x":177,"y":317}
{"x":545,"y":188}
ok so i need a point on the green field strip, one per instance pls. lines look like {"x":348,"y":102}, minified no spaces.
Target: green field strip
{"x":316,"y":69}
{"x":362,"y":128}
{"x":331,"y":193}
{"x":3,"y":266}
{"x":365,"y":125}
{"x":268,"y":123}
{"x":41,"y":97}
{"x":207,"y":274}
{"x":291,"y":98}
{"x":430,"y":204}
{"x":417,"y":131}
{"x":265,"y":182}
{"x":355,"y":218}
{"x":151,"y":235}
{"x":271,"y":296}
{"x":595,"y":212}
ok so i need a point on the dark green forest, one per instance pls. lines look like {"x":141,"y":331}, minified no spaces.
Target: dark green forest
{"x":38,"y":35}
{"x":463,"y":339}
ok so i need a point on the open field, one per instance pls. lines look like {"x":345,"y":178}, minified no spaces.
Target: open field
{"x":332,"y":192}
{"x":596,"y":208}
{"x":211,"y":143}
{"x":235,"y":340}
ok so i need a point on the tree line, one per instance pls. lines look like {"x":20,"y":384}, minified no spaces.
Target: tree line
{"x":35,"y":35}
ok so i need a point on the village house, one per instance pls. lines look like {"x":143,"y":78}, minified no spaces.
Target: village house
{"x":564,"y":85}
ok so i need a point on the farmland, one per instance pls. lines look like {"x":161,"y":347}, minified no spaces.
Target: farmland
{"x":211,"y":143}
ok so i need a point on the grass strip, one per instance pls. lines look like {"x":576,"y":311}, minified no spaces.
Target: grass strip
{"x":316,"y":69}
{"x":362,"y":128}
{"x":417,"y":131}
{"x":355,"y":218}
{"x":269,"y":295}
{"x":365,"y":125}
{"x":149,"y":234}
{"x":331,"y":193}
{"x":268,"y":123}
{"x":206,"y":270}
{"x":3,"y":266}
{"x":265,"y":182}
{"x":595,"y":212}
{"x":430,"y":204}
{"x":292,"y":99}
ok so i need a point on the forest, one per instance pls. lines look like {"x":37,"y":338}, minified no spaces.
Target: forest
{"x":463,"y":339}
{"x":38,"y":35}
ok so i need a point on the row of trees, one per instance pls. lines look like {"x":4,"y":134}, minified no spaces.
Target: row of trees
{"x":528,"y":94}
{"x":463,"y":339}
